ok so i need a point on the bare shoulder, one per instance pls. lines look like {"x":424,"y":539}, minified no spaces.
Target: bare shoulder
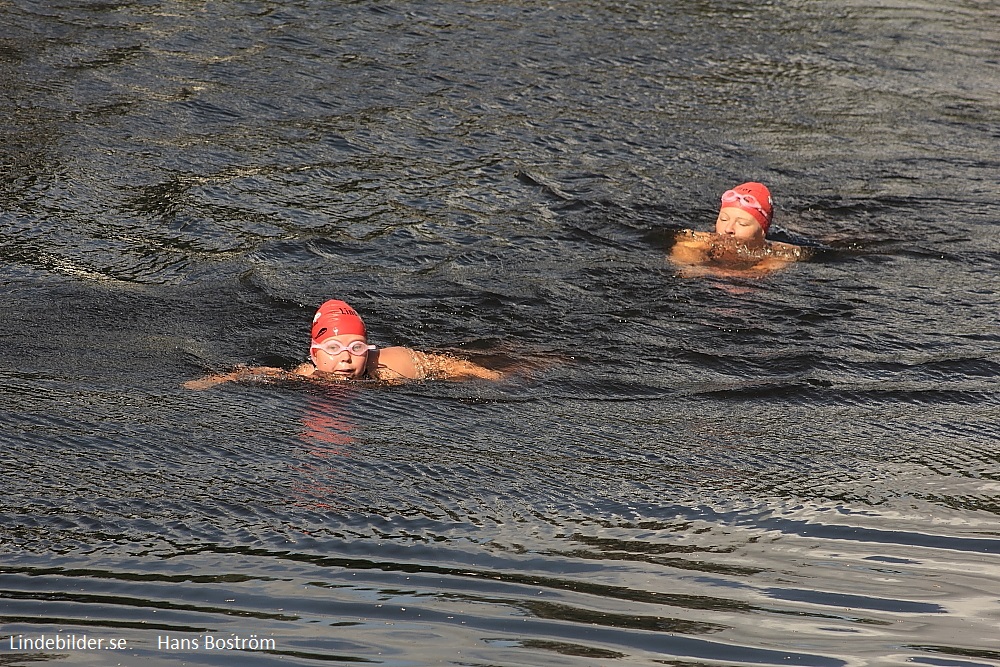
{"x":394,"y":363}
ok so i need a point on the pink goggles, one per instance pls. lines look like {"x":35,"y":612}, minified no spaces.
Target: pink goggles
{"x":745,"y":200}
{"x":334,"y":347}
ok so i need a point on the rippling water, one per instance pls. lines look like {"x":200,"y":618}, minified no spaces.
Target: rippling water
{"x":796,"y":469}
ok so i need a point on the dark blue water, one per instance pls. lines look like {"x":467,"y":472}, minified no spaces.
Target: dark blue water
{"x":799,"y":468}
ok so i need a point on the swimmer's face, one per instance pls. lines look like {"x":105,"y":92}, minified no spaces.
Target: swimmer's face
{"x":343,"y":365}
{"x":739,"y":224}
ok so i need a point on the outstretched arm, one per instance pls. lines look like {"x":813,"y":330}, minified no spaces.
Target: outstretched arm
{"x":245,"y":373}
{"x":460,"y":369}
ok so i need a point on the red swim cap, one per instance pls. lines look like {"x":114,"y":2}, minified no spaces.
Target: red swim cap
{"x":755,"y":199}
{"x":336,"y":318}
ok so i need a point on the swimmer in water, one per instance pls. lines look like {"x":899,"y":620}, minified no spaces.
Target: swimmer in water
{"x":340,"y":351}
{"x":738,"y":246}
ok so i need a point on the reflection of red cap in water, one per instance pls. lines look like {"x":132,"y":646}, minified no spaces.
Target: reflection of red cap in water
{"x":336,"y":318}
{"x":755,"y":199}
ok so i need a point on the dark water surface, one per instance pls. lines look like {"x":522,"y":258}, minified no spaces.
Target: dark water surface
{"x":800,"y":469}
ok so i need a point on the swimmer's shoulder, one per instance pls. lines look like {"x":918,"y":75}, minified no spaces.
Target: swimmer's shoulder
{"x":389,"y":363}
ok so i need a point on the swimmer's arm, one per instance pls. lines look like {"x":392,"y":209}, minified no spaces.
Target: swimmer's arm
{"x":246,"y":373}
{"x":405,"y":363}
{"x":460,"y":369}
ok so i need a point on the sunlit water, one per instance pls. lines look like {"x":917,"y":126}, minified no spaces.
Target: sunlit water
{"x":798,"y":469}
